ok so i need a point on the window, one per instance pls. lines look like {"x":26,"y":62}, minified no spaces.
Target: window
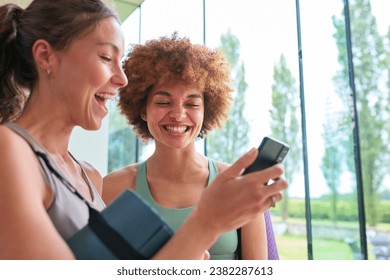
{"x":298,"y":91}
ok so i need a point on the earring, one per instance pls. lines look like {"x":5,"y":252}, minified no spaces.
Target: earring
{"x":48,"y":72}
{"x":201,"y":134}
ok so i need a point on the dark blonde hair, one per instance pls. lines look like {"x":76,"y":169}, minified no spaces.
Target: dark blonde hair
{"x":57,"y":22}
{"x":173,"y":59}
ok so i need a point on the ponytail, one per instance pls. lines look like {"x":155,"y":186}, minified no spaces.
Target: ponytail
{"x":12,"y":92}
{"x":57,"y":22}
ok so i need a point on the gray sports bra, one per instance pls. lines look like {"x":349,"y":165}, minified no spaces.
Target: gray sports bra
{"x":67,"y":212}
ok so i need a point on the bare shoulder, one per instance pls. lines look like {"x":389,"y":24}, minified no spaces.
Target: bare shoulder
{"x":12,"y":146}
{"x":222,"y":166}
{"x":18,"y":160}
{"x":7,"y":136}
{"x":123,"y":176}
{"x":94,"y":175}
{"x":117,"y":181}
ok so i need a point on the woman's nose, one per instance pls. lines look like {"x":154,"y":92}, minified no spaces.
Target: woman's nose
{"x":120,"y":78}
{"x":177,"y":113}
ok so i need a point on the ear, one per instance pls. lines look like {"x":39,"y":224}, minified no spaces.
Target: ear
{"x":144,"y":116}
{"x":42,"y":53}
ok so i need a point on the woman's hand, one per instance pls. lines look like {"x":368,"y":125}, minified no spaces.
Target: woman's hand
{"x":233,"y":200}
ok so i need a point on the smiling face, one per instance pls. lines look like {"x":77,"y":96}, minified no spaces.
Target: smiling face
{"x":89,"y":73}
{"x":174,"y":114}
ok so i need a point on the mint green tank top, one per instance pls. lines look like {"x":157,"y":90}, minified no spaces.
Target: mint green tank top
{"x":225,"y":247}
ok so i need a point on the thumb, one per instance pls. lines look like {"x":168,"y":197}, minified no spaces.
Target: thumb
{"x":243,"y":162}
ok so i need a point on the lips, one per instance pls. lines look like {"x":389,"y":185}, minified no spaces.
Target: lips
{"x":177,"y":129}
{"x":101,"y":98}
{"x":104,"y":96}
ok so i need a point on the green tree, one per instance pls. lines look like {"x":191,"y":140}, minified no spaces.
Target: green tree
{"x":387,"y":110}
{"x":333,"y":158}
{"x":372,"y":98}
{"x":122,"y":141}
{"x":231,"y":141}
{"x":284,"y":121}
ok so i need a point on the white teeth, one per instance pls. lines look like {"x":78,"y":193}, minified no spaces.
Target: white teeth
{"x":176,"y":129}
{"x":106,"y":96}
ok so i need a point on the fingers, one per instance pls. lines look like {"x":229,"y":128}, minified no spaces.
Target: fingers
{"x":243,"y":162}
{"x":273,"y":192}
{"x":275,"y":198}
{"x":266,"y":176}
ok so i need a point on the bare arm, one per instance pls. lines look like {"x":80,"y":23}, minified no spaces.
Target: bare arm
{"x":254,"y":240}
{"x":26,"y":230}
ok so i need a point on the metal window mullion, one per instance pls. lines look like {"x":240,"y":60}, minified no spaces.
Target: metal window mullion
{"x":358,"y":166}
{"x":137,"y":142}
{"x":309,"y":235}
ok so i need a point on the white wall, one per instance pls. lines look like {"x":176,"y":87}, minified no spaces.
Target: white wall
{"x":91,"y":146}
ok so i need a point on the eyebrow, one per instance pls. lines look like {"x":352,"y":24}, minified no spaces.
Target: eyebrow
{"x":167,"y":94}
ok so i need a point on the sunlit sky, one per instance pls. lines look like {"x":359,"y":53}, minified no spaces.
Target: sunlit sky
{"x":266,"y":29}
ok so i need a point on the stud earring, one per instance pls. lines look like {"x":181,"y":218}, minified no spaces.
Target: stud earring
{"x":48,"y":72}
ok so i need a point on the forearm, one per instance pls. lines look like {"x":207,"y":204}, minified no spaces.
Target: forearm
{"x":254,"y":239}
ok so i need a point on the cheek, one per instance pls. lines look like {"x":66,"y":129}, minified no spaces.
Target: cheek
{"x":95,"y":74}
{"x":98,"y":78}
{"x":201,"y":116}
{"x":156,"y":113}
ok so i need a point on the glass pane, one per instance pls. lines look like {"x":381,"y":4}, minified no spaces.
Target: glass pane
{"x":261,"y":42}
{"x":338,"y":159}
{"x":370,"y":35}
{"x":329,"y":118}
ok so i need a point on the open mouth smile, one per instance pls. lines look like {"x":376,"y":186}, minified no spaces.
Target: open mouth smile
{"x":177,"y":129}
{"x":102,"y":97}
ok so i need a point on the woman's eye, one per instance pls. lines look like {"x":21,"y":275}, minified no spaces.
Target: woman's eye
{"x":162,"y":103}
{"x":193,"y":105}
{"x":106,"y":58}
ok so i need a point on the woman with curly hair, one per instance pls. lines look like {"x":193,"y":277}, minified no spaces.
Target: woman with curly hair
{"x":178,"y":92}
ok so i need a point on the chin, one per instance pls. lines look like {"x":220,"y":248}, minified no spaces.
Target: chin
{"x":96,"y":125}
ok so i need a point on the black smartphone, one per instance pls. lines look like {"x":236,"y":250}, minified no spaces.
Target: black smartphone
{"x":271,"y":151}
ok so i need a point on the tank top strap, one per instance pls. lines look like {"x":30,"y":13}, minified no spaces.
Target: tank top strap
{"x":213,"y":170}
{"x":35,"y":146}
{"x":141,"y":182}
{"x":96,"y":198}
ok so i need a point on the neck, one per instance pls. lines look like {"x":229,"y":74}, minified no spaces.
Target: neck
{"x":43,"y":119}
{"x":176,"y":162}
{"x":52,"y":133}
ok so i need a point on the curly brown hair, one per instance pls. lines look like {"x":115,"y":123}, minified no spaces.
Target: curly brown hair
{"x":175,"y":59}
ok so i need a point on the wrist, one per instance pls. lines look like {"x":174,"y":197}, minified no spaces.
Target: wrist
{"x":206,"y":233}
